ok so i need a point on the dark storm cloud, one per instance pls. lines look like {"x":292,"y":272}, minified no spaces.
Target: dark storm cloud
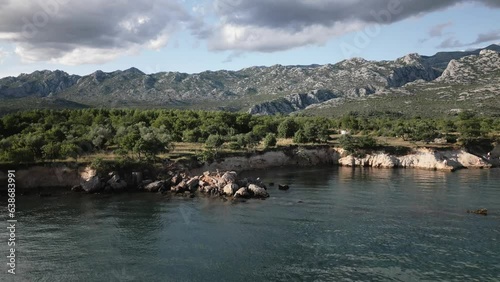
{"x":273,"y":25}
{"x":297,"y":14}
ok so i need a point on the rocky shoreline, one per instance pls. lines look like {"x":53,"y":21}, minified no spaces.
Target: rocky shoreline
{"x":179,"y":179}
{"x":214,"y":184}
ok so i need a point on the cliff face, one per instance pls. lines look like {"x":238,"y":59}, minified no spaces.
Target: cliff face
{"x":55,"y":176}
{"x":422,"y":159}
{"x":292,"y":103}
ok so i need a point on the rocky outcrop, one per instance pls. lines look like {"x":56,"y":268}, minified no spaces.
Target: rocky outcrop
{"x":292,"y":103}
{"x":413,"y":68}
{"x":472,"y":69}
{"x":229,"y":185}
{"x":422,"y":158}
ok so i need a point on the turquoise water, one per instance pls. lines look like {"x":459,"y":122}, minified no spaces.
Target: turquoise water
{"x":334,"y":224}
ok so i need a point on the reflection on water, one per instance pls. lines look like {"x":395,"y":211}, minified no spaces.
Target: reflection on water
{"x":333,"y":224}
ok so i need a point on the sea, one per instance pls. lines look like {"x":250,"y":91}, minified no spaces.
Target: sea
{"x":333,"y":224}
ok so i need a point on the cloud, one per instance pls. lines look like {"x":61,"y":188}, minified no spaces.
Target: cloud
{"x":3,"y":55}
{"x":93,"y":31}
{"x":274,"y":25}
{"x":77,"y":32}
{"x":451,"y":42}
{"x":437,"y":30}
{"x":487,"y":37}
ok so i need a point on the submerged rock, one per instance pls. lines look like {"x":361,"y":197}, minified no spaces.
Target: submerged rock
{"x":479,"y":211}
{"x":283,"y":187}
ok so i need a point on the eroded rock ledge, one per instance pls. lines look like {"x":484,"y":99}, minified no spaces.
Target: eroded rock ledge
{"x":421,"y":158}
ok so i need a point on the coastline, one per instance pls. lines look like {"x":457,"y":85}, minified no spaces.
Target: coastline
{"x":64,"y":176}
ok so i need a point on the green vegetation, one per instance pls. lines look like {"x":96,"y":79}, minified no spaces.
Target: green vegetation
{"x":144,"y":135}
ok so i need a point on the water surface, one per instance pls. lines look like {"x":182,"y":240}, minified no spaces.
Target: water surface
{"x":334,"y":224}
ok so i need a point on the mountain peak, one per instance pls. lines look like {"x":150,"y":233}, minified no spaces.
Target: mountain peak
{"x":134,"y":70}
{"x":412,"y":58}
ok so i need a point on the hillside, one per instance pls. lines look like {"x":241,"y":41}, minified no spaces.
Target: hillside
{"x":470,"y":80}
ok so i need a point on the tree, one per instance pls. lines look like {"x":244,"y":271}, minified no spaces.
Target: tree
{"x":348,"y":143}
{"x":251,"y":140}
{"x":299,"y":137}
{"x":70,"y":150}
{"x":100,"y":135}
{"x":214,"y":142}
{"x":468,"y":125}
{"x":287,"y":128}
{"x":51,"y":151}
{"x":270,"y":140}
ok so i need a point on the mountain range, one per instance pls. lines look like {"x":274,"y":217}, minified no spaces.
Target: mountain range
{"x":437,"y":85}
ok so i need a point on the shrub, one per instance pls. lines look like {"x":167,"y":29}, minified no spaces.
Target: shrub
{"x":299,"y":137}
{"x":270,"y":140}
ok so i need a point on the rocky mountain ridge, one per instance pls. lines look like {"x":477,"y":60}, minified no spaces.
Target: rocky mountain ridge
{"x":258,"y":90}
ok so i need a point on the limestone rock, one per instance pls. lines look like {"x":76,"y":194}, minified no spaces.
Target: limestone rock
{"x":230,"y":189}
{"x":154,"y":187}
{"x":257,"y":192}
{"x":242,"y":193}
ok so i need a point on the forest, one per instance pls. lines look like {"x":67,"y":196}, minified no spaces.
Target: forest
{"x":47,"y":135}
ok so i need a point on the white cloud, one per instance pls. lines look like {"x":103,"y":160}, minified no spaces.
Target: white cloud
{"x":265,"y":39}
{"x":75,"y":32}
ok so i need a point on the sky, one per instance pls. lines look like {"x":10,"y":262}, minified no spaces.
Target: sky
{"x":192,"y":36}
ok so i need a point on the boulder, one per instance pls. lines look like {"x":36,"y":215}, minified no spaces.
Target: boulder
{"x":166,"y":187}
{"x":176,"y":179}
{"x":192,"y":184}
{"x":116,"y":183}
{"x":242,"y":193}
{"x":93,"y":185}
{"x":257,"y":192}
{"x":229,"y":177}
{"x":257,"y":181}
{"x":154,"y":187}
{"x":180,"y":188}
{"x":230,"y":189}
